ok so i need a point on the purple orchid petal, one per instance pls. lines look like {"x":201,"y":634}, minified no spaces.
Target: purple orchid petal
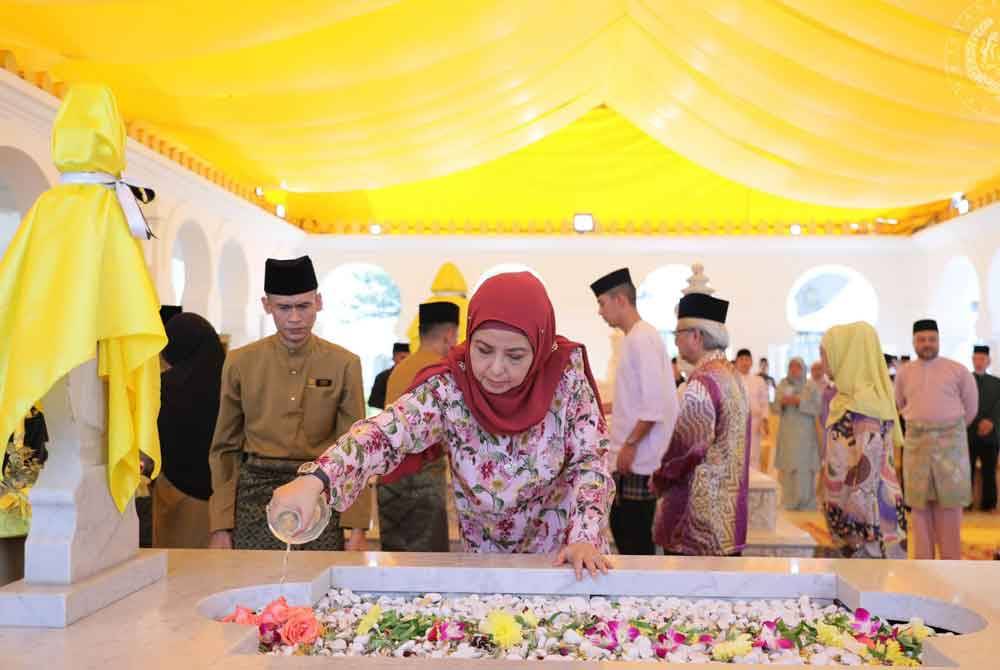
{"x":785,"y":643}
{"x":705,"y":638}
{"x":633,"y":633}
{"x":268,"y":633}
{"x":862,"y":615}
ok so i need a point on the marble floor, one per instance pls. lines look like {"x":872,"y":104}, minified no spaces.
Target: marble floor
{"x":980,"y":532}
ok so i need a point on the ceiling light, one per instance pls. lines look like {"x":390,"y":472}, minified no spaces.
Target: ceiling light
{"x":960,"y":203}
{"x":888,"y":222}
{"x":375,"y":229}
{"x":855,"y":226}
{"x":583,"y":223}
{"x":284,"y":185}
{"x":259,"y":191}
{"x":795,"y":229}
{"x":280,"y":210}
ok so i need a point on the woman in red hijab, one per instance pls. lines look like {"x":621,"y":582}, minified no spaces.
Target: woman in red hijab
{"x":517,"y":409}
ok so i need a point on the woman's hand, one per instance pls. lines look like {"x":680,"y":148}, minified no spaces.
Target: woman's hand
{"x":301,"y":495}
{"x":583,"y":555}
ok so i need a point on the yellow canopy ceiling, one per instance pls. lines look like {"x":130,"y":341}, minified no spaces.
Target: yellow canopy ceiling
{"x":862,"y":104}
{"x":600,"y":164}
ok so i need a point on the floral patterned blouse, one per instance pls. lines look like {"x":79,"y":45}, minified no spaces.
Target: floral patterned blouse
{"x":532,"y":492}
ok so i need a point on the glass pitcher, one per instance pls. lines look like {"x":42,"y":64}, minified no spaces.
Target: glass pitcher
{"x":286,"y":523}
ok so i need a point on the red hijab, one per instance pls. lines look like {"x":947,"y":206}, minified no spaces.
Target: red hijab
{"x":517,"y":300}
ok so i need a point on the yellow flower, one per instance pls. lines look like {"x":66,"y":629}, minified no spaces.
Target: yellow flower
{"x":917,"y":630}
{"x":503,"y":628}
{"x":829,"y":636}
{"x":730,"y":649}
{"x":894,"y":654}
{"x":369,"y":620}
{"x":16,"y":502}
{"x":530,"y":618}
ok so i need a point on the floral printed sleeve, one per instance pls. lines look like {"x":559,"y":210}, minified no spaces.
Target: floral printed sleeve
{"x":587,"y":472}
{"x":693,"y":434}
{"x":377,"y":446}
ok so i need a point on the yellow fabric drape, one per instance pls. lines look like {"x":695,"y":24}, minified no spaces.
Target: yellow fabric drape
{"x":858,"y":369}
{"x":72,"y":279}
{"x":853,"y":103}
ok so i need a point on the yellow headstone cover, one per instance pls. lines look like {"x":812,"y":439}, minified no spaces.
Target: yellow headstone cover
{"x":448,"y":286}
{"x":72,"y":279}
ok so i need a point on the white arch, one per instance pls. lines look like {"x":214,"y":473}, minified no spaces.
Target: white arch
{"x":192,"y":250}
{"x":955,"y":304}
{"x":503,"y":268}
{"x":658,"y":294}
{"x":21,"y":182}
{"x":234,"y":293}
{"x":361,"y":306}
{"x":828,"y":295}
{"x":993,"y":293}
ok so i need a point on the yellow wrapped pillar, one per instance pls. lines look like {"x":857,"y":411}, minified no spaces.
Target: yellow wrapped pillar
{"x":74,"y":283}
{"x":449,"y":286}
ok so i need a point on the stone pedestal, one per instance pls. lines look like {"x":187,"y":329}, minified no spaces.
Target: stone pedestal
{"x":81,"y":553}
{"x":762,"y":501}
{"x":770,"y":533}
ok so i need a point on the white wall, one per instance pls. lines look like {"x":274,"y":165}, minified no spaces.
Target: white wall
{"x":755,"y":274}
{"x":186,"y":206}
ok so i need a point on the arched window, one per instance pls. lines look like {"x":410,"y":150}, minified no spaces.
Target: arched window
{"x":820,"y":298}
{"x":657,"y":297}
{"x":191,"y":270}
{"x":955,"y":305}
{"x":503,"y":268}
{"x":361,"y":306}
{"x":10,"y":217}
{"x":21,"y":182}
{"x":234,"y":291}
{"x":178,"y":270}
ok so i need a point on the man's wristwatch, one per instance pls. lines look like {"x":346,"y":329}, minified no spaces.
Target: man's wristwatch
{"x":313,"y":468}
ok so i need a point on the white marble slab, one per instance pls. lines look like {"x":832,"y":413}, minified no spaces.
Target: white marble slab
{"x":59,"y":605}
{"x":784,"y":540}
{"x":165,"y":625}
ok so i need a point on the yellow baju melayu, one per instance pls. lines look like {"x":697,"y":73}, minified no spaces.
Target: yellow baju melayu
{"x":74,"y":282}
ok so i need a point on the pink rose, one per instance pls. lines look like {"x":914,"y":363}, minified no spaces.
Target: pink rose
{"x":276,"y":612}
{"x":301,"y":628}
{"x":243,"y":616}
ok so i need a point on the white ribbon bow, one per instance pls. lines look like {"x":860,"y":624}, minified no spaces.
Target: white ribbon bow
{"x":130,"y":206}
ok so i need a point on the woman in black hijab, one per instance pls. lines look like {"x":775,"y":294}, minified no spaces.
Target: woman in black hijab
{"x":189,"y":405}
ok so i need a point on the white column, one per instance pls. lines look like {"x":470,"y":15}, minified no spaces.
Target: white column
{"x":81,"y":553}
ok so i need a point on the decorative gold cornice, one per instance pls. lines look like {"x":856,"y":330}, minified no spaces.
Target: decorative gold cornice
{"x":146,"y":137}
